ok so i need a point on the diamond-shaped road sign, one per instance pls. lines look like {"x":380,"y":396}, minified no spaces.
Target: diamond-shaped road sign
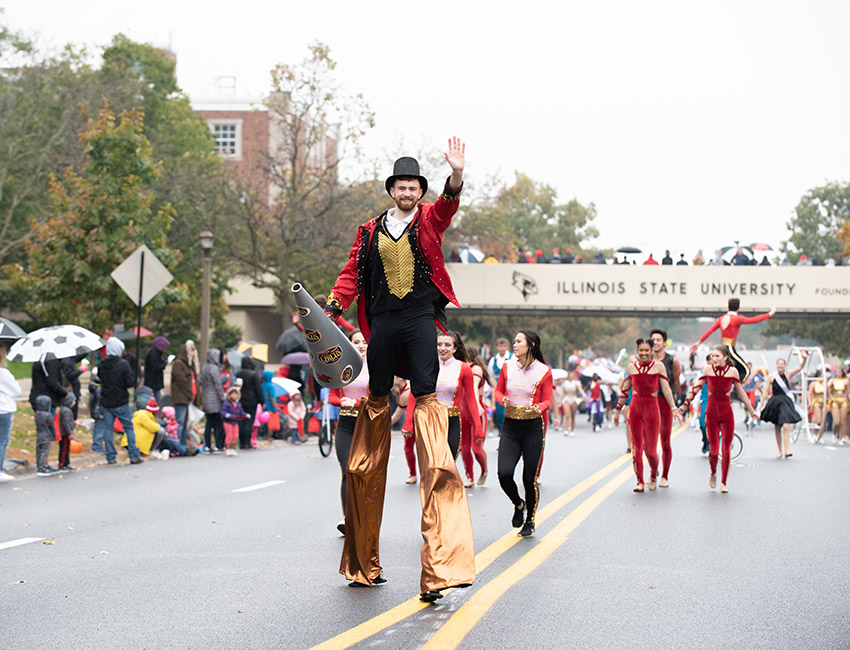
{"x":142,"y":262}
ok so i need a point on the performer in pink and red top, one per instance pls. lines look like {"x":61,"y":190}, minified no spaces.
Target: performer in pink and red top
{"x":729,"y":324}
{"x":469,"y":446}
{"x":721,"y":378}
{"x":455,"y":389}
{"x":644,"y":378}
{"x":348,"y":400}
{"x":525,"y":390}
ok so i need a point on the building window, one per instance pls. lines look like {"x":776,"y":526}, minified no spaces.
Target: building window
{"x":228,"y":138}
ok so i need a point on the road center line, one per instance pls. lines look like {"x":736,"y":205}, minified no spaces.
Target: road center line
{"x":482,"y":560}
{"x":465,"y":618}
{"x":20,"y":542}
{"x":259,"y":486}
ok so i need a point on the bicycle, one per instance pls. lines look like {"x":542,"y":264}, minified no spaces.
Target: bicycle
{"x":326,"y":434}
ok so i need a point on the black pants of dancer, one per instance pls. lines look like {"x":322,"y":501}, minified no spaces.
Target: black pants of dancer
{"x":521,"y":438}
{"x":454,"y":435}
{"x":740,"y":364}
{"x":344,"y":433}
{"x":404,"y":343}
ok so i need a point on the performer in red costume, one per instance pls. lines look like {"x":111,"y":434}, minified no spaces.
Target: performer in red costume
{"x":471,"y":446}
{"x":348,"y":400}
{"x":721,"y":377}
{"x":455,"y":390}
{"x":644,"y":378}
{"x":729,"y":325}
{"x":658,"y":338}
{"x":396,"y":273}
{"x":525,"y":390}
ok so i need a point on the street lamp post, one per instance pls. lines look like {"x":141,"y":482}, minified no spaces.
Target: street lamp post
{"x":207,"y":239}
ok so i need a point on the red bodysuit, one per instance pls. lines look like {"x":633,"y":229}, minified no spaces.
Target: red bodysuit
{"x":644,"y":420}
{"x":729,"y":324}
{"x":719,"y":417}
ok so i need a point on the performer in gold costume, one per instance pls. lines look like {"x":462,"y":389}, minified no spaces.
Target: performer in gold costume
{"x":396,"y":274}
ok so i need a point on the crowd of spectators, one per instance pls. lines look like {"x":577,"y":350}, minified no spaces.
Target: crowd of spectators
{"x":741,"y":257}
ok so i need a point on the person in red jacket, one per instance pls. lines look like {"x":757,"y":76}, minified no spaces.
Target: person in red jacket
{"x":397,"y":275}
{"x":525,"y":390}
{"x":729,"y":324}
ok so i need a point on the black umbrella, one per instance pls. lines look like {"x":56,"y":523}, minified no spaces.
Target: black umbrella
{"x":629,"y":249}
{"x":292,"y":340}
{"x":9,"y":331}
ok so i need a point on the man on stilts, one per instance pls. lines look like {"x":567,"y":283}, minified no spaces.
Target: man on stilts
{"x":396,"y":273}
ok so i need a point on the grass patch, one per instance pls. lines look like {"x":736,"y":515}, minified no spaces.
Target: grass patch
{"x":20,"y":369}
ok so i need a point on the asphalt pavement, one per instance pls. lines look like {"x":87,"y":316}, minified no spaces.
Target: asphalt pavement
{"x":218,"y":552}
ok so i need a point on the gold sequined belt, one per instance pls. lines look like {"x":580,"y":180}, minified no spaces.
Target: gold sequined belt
{"x":454,"y":411}
{"x":521,"y":413}
{"x":728,"y":342}
{"x":351,"y":411}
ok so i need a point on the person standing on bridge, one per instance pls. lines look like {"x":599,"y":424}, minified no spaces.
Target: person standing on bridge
{"x":396,"y":273}
{"x":729,"y":324}
{"x":720,"y":377}
{"x":525,"y":390}
{"x":658,"y":338}
{"x":644,"y":378}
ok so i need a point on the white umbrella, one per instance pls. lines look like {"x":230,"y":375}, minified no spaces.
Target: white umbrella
{"x":289,"y":386}
{"x":58,"y":341}
{"x":471,"y":255}
{"x":10,"y":331}
{"x":604,"y":373}
{"x":559,"y":373}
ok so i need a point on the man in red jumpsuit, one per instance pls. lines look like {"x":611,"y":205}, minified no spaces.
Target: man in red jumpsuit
{"x":729,"y":325}
{"x":396,"y":274}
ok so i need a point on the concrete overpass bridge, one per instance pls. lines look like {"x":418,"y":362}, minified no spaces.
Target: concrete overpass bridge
{"x":606,"y":290}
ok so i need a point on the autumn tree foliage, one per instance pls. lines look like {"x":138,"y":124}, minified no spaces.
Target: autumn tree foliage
{"x":299,"y":225}
{"x":96,"y":219}
{"x":526,"y":214}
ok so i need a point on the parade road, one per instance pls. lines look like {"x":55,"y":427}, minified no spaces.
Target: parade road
{"x":216,"y":552}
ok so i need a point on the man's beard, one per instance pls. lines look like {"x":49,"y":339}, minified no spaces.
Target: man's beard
{"x":406,"y":205}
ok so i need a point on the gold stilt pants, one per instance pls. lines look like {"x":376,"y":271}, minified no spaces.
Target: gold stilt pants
{"x":366,"y":483}
{"x":448,"y":553}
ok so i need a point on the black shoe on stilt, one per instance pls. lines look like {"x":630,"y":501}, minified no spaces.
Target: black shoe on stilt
{"x":430,"y":596}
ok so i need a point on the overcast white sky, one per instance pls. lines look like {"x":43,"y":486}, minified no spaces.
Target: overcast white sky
{"x":689,"y":125}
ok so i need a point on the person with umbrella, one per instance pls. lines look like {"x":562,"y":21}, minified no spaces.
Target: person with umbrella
{"x":116,"y":378}
{"x":155,"y":364}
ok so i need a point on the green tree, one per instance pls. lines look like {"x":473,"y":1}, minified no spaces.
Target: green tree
{"x":526,"y":214}
{"x":299,"y":225}
{"x":818,"y":219}
{"x":831,"y":334}
{"x":97,"y":218}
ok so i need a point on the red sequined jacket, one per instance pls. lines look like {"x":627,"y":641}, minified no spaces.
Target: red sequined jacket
{"x":427,"y":228}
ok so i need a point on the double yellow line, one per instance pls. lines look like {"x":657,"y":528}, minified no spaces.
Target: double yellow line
{"x":464,"y":619}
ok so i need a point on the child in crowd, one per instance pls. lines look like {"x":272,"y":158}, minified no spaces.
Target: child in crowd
{"x":147,"y":429}
{"x":44,"y":434}
{"x":66,"y":431}
{"x":231,"y":414}
{"x":296,"y":410}
{"x":171,"y":445}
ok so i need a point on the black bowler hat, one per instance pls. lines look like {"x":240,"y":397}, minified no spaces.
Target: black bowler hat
{"x":406,"y":168}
